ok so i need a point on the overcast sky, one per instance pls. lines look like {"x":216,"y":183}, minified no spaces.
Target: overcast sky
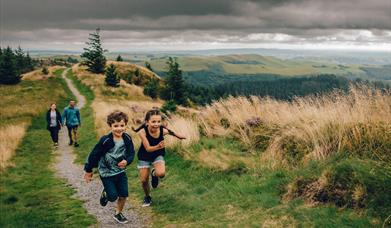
{"x":197,"y":24}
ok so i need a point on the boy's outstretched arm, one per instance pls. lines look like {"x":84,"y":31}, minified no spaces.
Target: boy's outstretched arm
{"x":93,"y":160}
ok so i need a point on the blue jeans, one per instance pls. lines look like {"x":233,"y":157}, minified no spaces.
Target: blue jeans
{"x":116,"y":186}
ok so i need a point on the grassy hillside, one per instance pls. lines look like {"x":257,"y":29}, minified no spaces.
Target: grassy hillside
{"x":256,"y":64}
{"x":316,"y":161}
{"x":30,"y":193}
{"x":21,"y":103}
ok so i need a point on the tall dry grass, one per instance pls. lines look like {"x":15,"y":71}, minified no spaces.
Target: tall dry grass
{"x":307,"y":128}
{"x":10,"y":137}
{"x":38,"y":75}
{"x":124,"y":92}
{"x":20,"y":103}
{"x":136,"y":112}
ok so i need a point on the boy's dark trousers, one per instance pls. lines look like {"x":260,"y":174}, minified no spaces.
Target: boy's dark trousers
{"x":54,"y":133}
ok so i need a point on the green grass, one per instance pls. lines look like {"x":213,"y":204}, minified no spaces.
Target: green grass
{"x":256,"y":64}
{"x":196,"y":196}
{"x":27,"y":99}
{"x":31,"y":194}
{"x":87,"y":134}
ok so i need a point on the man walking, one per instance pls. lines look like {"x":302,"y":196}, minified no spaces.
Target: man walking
{"x":71,"y":118}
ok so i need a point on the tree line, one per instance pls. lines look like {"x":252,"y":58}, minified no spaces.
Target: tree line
{"x":14,"y":63}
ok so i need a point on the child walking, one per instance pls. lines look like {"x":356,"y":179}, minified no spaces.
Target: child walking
{"x":152,"y":152}
{"x":111,"y":155}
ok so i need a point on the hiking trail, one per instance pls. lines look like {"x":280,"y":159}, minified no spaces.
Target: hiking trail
{"x":74,"y":173}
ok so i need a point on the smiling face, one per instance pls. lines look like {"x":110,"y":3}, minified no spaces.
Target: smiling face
{"x":118,"y":128}
{"x":53,"y":107}
{"x":155,"y":122}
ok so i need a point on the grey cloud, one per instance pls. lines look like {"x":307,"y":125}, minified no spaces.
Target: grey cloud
{"x":201,"y":14}
{"x":127,"y":22}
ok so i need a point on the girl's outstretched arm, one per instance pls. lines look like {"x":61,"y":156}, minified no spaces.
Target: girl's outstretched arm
{"x":139,"y":128}
{"x":170,"y":132}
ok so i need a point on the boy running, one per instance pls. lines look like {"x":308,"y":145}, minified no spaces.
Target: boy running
{"x":111,"y":155}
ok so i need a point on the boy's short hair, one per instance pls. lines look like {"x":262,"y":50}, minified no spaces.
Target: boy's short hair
{"x":117,"y":116}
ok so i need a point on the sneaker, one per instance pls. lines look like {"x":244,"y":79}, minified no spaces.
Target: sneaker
{"x":55,"y":144}
{"x":154,"y":179}
{"x":76,"y":144}
{"x":120,"y":218}
{"x":103,"y":198}
{"x":147,"y":201}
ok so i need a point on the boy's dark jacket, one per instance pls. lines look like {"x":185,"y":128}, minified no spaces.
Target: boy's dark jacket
{"x":105,"y":144}
{"x":58,"y":119}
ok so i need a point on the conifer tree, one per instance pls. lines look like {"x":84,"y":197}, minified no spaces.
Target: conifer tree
{"x":174,"y":83}
{"x":8,"y":72}
{"x":148,"y":66}
{"x":20,"y":61}
{"x":45,"y":70}
{"x":112,"y":78}
{"x":137,"y":77}
{"x":119,"y":58}
{"x":152,"y":88}
{"x":93,"y":54}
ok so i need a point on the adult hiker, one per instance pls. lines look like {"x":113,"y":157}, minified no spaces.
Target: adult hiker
{"x":71,"y":118}
{"x":54,"y":122}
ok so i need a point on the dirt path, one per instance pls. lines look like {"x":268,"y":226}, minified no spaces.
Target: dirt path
{"x":89,"y":193}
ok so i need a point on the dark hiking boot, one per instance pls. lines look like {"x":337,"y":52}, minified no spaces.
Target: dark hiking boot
{"x":103,"y":198}
{"x":147,"y":201}
{"x":120,"y":218}
{"x":154,"y":179}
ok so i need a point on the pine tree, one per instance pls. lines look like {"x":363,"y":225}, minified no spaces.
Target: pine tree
{"x":93,"y":54}
{"x":8,"y":73}
{"x":45,"y":70}
{"x":119,"y":58}
{"x":137,"y":77}
{"x":112,"y":78}
{"x":20,"y":60}
{"x":148,"y":66}
{"x":152,"y":88}
{"x":29,"y":63}
{"x":128,"y":77}
{"x":175,"y":85}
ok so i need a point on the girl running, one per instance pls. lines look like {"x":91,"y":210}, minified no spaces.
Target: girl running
{"x":152,"y":152}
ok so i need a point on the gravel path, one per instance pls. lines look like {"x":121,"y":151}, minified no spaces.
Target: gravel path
{"x":88,"y":193}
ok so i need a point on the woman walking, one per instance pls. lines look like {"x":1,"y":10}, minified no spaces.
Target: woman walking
{"x":53,"y":120}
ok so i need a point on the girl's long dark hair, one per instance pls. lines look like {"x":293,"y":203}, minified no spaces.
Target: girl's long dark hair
{"x":148,"y":117}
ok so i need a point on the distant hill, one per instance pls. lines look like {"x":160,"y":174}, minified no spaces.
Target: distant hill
{"x":204,"y":70}
{"x":212,"y":70}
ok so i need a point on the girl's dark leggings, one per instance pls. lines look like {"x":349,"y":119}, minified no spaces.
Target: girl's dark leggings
{"x":54,"y":133}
